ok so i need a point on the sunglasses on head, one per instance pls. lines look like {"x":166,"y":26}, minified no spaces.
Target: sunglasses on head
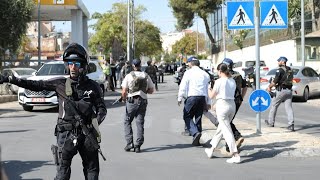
{"x":76,"y":64}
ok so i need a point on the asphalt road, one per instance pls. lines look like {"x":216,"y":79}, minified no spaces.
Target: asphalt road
{"x":26,"y":138}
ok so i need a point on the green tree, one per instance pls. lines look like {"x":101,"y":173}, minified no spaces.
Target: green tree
{"x":14,"y":17}
{"x":188,"y":44}
{"x":112,"y":26}
{"x":238,"y":37}
{"x":186,"y":10}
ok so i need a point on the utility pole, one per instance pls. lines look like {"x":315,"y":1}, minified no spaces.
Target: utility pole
{"x":223,"y":29}
{"x":39,"y":33}
{"x":130,"y":30}
{"x":197,"y":37}
{"x":302,"y":34}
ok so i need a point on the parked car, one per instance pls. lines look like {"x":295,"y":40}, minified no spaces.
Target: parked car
{"x":247,"y":70}
{"x":306,"y":82}
{"x":17,"y":72}
{"x":28,"y":99}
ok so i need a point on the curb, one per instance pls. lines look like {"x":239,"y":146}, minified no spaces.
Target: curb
{"x":272,"y":142}
{"x":8,"y":98}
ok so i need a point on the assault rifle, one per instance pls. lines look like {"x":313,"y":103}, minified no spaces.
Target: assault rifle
{"x":117,"y":101}
{"x":85,"y":129}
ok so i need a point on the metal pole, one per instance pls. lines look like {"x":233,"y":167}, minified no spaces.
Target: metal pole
{"x":197,"y":37}
{"x":302,"y":34}
{"x":132,"y":29}
{"x":39,"y":33}
{"x":257,"y":29}
{"x":128,"y":31}
{"x":223,"y":30}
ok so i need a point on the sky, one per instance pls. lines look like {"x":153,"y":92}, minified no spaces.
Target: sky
{"x":158,"y":12}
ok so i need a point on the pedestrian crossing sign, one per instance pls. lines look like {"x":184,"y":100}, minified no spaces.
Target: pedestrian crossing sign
{"x":240,"y":14}
{"x":274,"y":14}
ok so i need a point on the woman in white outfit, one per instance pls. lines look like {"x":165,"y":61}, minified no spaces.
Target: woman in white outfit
{"x":223,"y":90}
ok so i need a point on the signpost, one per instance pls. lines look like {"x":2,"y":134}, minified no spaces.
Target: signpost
{"x":274,"y":14}
{"x":240,"y":14}
{"x":245,"y":15}
{"x":259,"y":100}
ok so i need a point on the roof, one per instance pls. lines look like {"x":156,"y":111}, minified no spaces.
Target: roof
{"x":313,"y":34}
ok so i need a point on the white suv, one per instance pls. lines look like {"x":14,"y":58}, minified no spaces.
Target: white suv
{"x":28,"y":98}
{"x":241,"y":67}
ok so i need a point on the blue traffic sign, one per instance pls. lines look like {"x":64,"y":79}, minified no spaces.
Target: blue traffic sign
{"x":240,"y":14}
{"x":259,"y":100}
{"x":274,"y":14}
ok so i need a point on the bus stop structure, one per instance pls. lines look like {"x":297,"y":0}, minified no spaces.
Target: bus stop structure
{"x":65,"y":10}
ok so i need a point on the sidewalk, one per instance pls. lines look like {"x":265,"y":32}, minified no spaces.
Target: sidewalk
{"x":272,"y":142}
{"x":8,"y":98}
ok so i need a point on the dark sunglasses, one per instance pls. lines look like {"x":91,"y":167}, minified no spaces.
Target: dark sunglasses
{"x":76,"y":64}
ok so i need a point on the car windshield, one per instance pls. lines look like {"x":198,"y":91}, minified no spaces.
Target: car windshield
{"x":273,"y":72}
{"x":23,"y":72}
{"x":253,"y":63}
{"x":51,"y":69}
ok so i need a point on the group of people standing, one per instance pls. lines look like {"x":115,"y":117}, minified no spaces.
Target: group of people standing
{"x":116,"y":72}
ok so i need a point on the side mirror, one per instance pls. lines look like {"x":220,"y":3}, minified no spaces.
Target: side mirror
{"x":34,"y":73}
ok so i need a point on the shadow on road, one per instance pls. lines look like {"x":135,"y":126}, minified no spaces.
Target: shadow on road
{"x":167,"y":147}
{"x":19,"y":116}
{"x":16,"y":131}
{"x":267,"y":150}
{"x":14,"y":169}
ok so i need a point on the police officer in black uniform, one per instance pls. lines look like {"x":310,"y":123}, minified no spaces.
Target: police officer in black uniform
{"x":283,"y":84}
{"x":85,"y":96}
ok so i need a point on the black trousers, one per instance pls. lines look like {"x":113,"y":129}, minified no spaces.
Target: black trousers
{"x":235,"y":131}
{"x":66,"y":151}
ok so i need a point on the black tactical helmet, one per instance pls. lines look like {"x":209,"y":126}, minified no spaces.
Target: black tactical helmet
{"x":76,"y":52}
{"x":228,"y":62}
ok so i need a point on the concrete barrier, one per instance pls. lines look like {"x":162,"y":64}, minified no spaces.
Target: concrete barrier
{"x":8,"y":98}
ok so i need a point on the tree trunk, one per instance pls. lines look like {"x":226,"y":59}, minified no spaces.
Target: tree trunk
{"x":208,"y":30}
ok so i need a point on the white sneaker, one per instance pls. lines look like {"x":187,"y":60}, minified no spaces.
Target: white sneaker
{"x":234,"y":159}
{"x":209,"y":152}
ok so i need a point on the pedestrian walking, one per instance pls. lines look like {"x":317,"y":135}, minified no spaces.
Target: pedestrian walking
{"x":283,"y":83}
{"x":152,"y":72}
{"x":224,"y":90}
{"x":240,"y":92}
{"x":194,"y":88}
{"x":135,"y":87}
{"x":76,"y":128}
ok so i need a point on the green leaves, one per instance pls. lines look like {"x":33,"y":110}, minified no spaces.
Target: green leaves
{"x":188,"y":44}
{"x":111,"y":27}
{"x":186,"y":10}
{"x":14,"y":16}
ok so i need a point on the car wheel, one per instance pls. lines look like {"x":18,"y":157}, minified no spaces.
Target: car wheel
{"x":305,"y":95}
{"x":27,"y":108}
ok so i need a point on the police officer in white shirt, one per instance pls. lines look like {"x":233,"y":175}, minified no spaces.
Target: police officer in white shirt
{"x":135,"y":87}
{"x":194,"y":87}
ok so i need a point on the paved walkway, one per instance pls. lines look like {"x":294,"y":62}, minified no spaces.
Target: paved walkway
{"x":273,"y":141}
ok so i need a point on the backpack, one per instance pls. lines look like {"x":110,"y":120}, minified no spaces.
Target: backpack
{"x":138,"y":83}
{"x":238,"y":79}
{"x":286,"y":80}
